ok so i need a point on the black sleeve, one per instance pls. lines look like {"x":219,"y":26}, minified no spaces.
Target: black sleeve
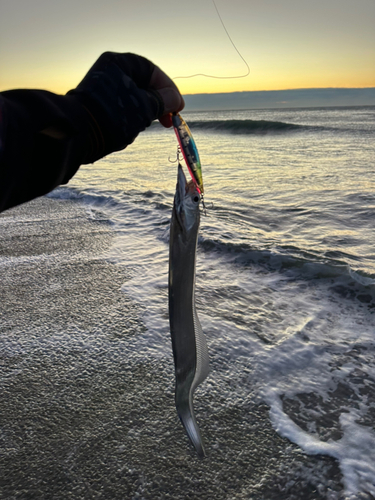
{"x":32,"y":163}
{"x":45,"y":137}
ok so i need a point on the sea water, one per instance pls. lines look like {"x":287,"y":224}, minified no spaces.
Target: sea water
{"x":285,"y":284}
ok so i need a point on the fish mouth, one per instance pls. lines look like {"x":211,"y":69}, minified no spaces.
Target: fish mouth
{"x":186,"y":196}
{"x":181,"y":182}
{"x":179,"y":197}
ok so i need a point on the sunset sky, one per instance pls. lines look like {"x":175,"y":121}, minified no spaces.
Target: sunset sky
{"x":288,"y":44}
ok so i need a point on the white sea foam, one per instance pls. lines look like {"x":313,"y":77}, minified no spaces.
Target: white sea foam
{"x":363,"y":280}
{"x":296,"y":367}
{"x":355,"y":452}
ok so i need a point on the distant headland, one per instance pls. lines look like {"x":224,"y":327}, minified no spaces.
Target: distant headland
{"x":296,"y":98}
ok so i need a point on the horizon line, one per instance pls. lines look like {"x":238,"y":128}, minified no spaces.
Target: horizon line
{"x":285,"y":90}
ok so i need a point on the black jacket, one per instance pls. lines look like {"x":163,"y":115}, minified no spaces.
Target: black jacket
{"x":45,"y":137}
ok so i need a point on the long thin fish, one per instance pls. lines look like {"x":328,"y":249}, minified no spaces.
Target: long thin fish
{"x":188,"y":341}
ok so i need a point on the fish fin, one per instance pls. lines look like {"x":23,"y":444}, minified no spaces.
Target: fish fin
{"x":190,"y":424}
{"x":202,"y":363}
{"x":186,"y":410}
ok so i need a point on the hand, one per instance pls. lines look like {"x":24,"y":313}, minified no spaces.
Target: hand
{"x":173,"y":100}
{"x":123,"y":94}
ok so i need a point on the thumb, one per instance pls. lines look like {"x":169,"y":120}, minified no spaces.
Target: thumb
{"x":173,"y":102}
{"x":172,"y":99}
{"x":168,"y":92}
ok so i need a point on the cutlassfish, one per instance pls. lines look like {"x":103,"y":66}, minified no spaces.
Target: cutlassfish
{"x":188,"y":341}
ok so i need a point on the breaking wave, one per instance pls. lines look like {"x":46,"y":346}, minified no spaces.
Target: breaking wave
{"x":248,"y":126}
{"x":340,"y":277}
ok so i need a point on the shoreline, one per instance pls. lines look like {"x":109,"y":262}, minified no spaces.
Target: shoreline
{"x":84,"y":416}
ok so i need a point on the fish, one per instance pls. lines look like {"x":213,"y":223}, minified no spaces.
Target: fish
{"x":189,"y":344}
{"x":189,"y":150}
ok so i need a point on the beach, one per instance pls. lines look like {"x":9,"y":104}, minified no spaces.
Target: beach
{"x":285,"y":294}
{"x":80,"y":418}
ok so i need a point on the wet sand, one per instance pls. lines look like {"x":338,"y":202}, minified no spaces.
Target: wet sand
{"x":83,"y":416}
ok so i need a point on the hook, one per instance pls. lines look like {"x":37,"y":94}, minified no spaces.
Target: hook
{"x":204,"y":206}
{"x":178,"y":156}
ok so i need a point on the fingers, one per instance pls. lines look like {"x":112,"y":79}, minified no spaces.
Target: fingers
{"x":168,"y":91}
{"x":166,"y":120}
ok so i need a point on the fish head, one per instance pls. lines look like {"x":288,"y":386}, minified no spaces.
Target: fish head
{"x":187,"y":200}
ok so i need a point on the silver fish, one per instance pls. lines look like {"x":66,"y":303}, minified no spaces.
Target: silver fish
{"x":188,"y":341}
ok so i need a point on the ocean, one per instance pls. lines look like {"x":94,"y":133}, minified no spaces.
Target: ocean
{"x":285,"y":293}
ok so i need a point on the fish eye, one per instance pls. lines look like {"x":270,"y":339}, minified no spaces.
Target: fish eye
{"x":196,"y":199}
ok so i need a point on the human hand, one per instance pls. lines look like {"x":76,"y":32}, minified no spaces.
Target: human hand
{"x":123,"y":94}
{"x":168,"y":91}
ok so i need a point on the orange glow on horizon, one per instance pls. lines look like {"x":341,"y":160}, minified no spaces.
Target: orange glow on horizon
{"x":291,"y":45}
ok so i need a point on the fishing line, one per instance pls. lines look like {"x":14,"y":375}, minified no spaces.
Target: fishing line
{"x":238,"y":52}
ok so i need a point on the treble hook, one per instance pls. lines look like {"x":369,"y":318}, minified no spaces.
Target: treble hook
{"x":178,"y":156}
{"x":178,"y":160}
{"x":203,"y":205}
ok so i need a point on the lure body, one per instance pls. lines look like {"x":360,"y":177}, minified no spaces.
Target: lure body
{"x":189,"y":150}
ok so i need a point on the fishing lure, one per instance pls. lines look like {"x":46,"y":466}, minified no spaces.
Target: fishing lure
{"x":189,"y":150}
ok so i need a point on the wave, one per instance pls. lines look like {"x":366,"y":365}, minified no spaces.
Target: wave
{"x":341,"y":278}
{"x":116,"y":206}
{"x":248,"y":126}
{"x":110,"y":198}
{"x":152,"y":211}
{"x":263,"y":127}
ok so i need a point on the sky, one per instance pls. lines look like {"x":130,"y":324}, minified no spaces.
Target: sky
{"x":288,"y":44}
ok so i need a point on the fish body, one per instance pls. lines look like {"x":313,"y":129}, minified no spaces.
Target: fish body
{"x":189,"y":150}
{"x":188,"y":341}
